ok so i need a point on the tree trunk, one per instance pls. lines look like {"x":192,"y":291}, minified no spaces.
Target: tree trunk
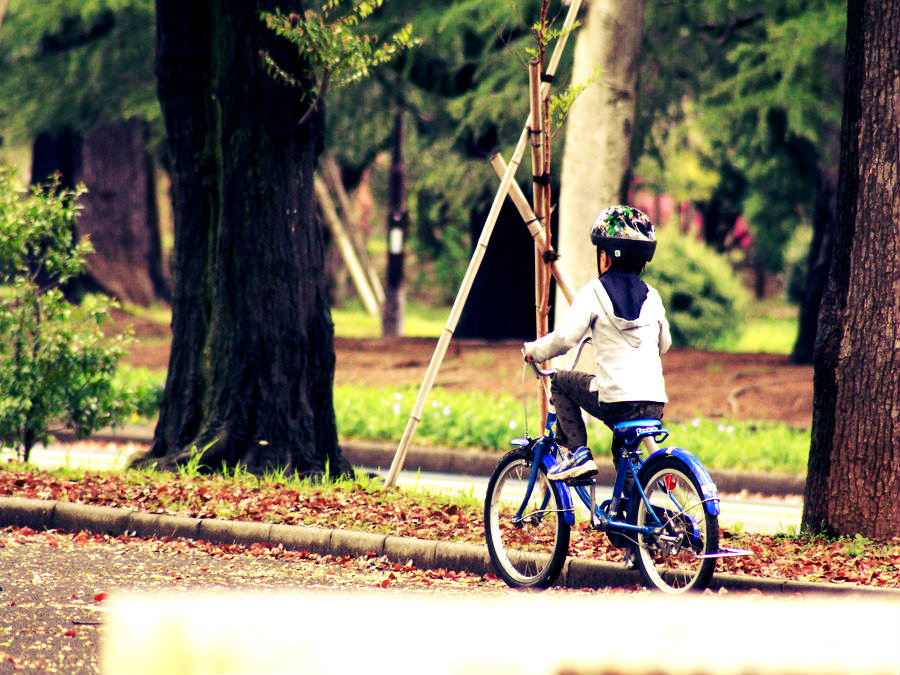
{"x":56,"y":153}
{"x":597,"y":152}
{"x":818,"y":262}
{"x":120,"y":214}
{"x":252,"y":364}
{"x":397,"y":229}
{"x":853,"y":478}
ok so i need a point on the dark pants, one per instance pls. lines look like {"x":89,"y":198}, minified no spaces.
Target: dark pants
{"x":570,"y":393}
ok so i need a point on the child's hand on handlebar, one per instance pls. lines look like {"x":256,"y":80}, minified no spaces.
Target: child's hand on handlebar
{"x":526,"y":355}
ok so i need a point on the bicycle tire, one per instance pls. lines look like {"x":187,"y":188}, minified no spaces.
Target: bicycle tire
{"x":530,"y":553}
{"x":672,"y":563}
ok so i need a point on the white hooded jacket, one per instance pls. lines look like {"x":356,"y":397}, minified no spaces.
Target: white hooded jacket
{"x":627,"y":351}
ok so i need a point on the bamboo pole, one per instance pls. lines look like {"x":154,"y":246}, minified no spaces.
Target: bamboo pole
{"x":455,"y":312}
{"x":536,"y":134}
{"x":534,"y":228}
{"x":342,"y":239}
{"x":536,"y":137}
{"x":546,"y":203}
{"x":444,"y":341}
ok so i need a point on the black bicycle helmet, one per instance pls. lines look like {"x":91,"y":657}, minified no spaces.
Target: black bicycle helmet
{"x":624,"y":232}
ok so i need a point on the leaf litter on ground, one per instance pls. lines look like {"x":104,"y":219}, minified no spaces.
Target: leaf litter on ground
{"x":367,"y":507}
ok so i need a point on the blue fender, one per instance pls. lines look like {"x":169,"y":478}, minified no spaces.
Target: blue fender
{"x":562,"y":491}
{"x":707,"y":486}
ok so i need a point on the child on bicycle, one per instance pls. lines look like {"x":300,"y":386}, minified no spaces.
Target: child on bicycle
{"x":629,"y":332}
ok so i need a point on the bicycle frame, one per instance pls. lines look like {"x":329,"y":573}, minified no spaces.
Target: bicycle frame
{"x":545,"y":450}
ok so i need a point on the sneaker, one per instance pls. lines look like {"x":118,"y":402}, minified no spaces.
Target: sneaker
{"x":579,"y":463}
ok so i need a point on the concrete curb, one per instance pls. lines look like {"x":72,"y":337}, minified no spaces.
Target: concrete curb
{"x":39,"y":514}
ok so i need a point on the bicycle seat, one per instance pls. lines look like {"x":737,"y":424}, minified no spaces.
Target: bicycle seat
{"x":631,"y":432}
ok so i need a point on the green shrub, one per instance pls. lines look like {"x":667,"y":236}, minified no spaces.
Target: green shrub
{"x":703,"y":296}
{"x":56,"y":366}
{"x":141,"y":389}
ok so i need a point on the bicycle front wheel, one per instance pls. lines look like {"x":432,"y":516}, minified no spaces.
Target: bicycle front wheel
{"x":672,"y":559}
{"x":528,"y":551}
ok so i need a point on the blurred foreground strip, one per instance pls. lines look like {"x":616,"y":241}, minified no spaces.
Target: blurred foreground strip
{"x":374,"y":632}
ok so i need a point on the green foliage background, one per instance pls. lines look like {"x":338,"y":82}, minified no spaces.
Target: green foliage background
{"x":703,"y":296}
{"x":76,"y":64}
{"x":739,"y":105}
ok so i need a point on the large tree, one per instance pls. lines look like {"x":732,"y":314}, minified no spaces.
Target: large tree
{"x":853,"y":481}
{"x":252,"y":364}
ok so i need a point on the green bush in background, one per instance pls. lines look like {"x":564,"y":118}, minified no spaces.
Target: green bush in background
{"x":56,"y":366}
{"x":703,"y":297}
{"x":140,"y":390}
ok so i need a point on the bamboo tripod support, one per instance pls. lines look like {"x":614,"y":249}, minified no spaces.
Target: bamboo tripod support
{"x":444,"y":341}
{"x":534,"y":227}
{"x":345,"y":245}
{"x":331,"y":172}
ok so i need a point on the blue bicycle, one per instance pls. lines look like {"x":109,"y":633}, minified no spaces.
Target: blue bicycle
{"x":663,"y":510}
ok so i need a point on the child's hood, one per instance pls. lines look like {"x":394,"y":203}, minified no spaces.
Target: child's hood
{"x":622,"y":297}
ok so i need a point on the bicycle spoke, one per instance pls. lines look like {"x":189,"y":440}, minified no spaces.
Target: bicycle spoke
{"x":527,"y":551}
{"x":671,"y":559}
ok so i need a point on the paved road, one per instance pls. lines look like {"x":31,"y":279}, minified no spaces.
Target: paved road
{"x":301,"y":614}
{"x":55,"y":589}
{"x":88,"y":455}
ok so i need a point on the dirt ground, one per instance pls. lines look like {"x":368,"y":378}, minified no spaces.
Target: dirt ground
{"x":699,"y":384}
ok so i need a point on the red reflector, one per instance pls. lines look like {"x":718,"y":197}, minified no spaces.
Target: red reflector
{"x":669,"y":480}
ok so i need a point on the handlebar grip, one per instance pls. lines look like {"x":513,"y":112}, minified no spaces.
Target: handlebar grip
{"x":540,"y":372}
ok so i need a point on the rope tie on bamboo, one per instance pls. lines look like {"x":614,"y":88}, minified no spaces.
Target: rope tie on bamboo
{"x":543,"y":179}
{"x":550,"y":256}
{"x":547,"y":77}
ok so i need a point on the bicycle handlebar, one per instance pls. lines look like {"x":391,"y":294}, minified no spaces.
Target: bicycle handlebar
{"x":540,"y":372}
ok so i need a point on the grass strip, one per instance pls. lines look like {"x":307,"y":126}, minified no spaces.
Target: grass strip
{"x":473,"y":420}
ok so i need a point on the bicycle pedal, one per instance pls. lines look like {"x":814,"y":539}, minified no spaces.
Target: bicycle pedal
{"x":584,"y":480}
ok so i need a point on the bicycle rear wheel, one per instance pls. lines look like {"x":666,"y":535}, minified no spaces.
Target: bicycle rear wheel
{"x":528,"y":552}
{"x":671,"y":560}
